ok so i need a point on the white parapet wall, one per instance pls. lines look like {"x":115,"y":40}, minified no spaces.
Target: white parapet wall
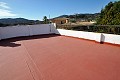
{"x":110,"y":38}
{"x":26,"y":30}
{"x":29,"y":30}
{"x":98,"y":37}
{"x":80,"y":34}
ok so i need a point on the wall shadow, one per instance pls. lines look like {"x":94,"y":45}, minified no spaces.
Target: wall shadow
{"x":8,"y":43}
{"x":11,"y":42}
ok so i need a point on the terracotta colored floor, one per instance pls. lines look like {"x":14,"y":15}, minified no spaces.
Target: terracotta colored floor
{"x":52,"y":57}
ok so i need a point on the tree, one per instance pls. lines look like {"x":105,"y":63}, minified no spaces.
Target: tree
{"x":110,"y":15}
{"x":46,"y":21}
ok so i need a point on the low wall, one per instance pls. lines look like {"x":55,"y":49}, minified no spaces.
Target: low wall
{"x":26,"y":30}
{"x":29,"y":30}
{"x":110,"y":38}
{"x":98,"y":37}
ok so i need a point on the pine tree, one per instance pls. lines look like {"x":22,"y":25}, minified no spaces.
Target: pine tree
{"x":110,"y":15}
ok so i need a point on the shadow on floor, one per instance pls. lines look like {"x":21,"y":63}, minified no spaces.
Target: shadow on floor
{"x":11,"y":42}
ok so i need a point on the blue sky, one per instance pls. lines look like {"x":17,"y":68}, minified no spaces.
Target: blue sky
{"x":36,"y":9}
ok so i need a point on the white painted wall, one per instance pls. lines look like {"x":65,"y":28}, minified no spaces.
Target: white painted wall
{"x":39,"y":29}
{"x":26,"y":30}
{"x":80,"y":34}
{"x":29,"y":30}
{"x":0,"y":33}
{"x":14,"y":31}
{"x":111,"y":38}
{"x":99,"y":37}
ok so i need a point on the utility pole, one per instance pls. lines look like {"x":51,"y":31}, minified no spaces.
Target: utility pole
{"x":49,"y":23}
{"x":49,"y":19}
{"x":76,"y":17}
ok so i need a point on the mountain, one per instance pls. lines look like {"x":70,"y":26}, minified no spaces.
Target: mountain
{"x":81,"y":16}
{"x":17,"y":21}
{"x":62,"y":16}
{"x":14,"y":21}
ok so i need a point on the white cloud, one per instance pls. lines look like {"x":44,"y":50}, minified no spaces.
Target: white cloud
{"x":5,"y":11}
{"x":4,"y":5}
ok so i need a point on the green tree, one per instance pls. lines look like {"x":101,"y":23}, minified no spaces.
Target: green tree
{"x":110,"y":15}
{"x":46,"y":21}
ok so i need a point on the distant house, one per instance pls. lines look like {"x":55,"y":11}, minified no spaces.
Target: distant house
{"x":82,"y":20}
{"x":60,"y":20}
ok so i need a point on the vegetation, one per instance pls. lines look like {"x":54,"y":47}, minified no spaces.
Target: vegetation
{"x":110,"y":29}
{"x":108,"y":21}
{"x":78,"y":17}
{"x":110,"y":15}
{"x":46,"y":21}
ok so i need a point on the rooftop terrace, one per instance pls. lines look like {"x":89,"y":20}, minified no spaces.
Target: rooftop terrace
{"x":54,"y":57}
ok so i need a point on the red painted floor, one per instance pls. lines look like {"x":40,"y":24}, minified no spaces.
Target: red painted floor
{"x":52,"y":57}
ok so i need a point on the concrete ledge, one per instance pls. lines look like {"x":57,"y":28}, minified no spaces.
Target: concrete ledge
{"x":26,"y":30}
{"x":96,"y":37}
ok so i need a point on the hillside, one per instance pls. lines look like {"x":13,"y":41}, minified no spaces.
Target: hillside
{"x":81,"y":16}
{"x":17,"y":21}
